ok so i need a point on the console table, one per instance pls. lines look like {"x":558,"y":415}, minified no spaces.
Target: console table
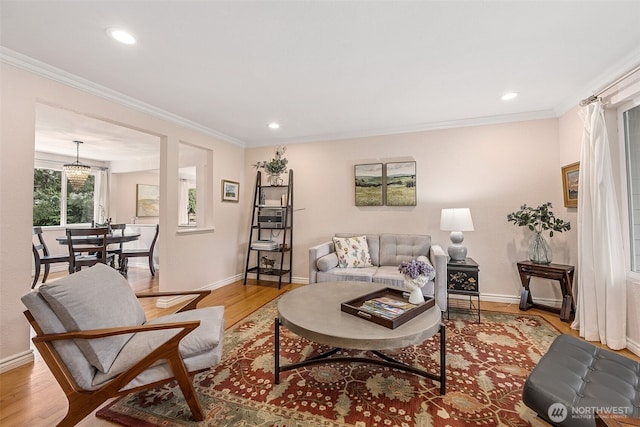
{"x":562,"y":273}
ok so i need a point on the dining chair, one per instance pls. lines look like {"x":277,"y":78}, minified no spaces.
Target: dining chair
{"x":42,"y":256}
{"x":87,"y":247}
{"x":139,"y":253}
{"x":116,"y":249}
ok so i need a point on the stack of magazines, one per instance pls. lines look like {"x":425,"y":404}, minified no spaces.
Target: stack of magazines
{"x":386,"y":307}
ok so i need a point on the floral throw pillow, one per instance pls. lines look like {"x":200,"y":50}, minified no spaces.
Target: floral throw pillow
{"x":352,"y":252}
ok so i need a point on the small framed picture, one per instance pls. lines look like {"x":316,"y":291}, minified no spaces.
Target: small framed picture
{"x":570,"y":175}
{"x":230,"y":191}
{"x":368,"y":185}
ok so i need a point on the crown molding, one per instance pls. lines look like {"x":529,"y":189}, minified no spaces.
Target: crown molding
{"x":27,"y":63}
{"x":422,"y":127}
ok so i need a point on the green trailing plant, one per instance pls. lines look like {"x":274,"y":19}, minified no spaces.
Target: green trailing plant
{"x":538,"y":219}
{"x":277,"y":165}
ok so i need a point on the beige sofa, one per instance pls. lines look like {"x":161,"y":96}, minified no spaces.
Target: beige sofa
{"x":387,"y":251}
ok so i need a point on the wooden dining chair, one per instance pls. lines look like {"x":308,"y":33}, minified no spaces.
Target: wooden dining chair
{"x":87,"y":247}
{"x":115,"y":249}
{"x":42,"y":256}
{"x":139,"y":253}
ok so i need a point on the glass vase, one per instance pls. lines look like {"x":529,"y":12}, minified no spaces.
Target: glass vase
{"x":539,"y":250}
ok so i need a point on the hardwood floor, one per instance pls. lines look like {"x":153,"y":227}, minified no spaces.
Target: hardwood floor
{"x":30,"y":396}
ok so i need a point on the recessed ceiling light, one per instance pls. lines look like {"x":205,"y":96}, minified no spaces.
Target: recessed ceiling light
{"x":509,"y":96}
{"x":121,"y":35}
{"x":274,"y":125}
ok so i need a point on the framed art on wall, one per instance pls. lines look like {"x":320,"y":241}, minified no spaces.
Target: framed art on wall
{"x":368,"y":185}
{"x":230,"y":191}
{"x":400,"y":183}
{"x":147,"y":200}
{"x":570,"y":178}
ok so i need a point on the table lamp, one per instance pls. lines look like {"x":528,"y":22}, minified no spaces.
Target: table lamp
{"x":456,"y":221}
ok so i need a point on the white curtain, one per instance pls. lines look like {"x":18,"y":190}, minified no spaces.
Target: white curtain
{"x":601,"y":305}
{"x":183,"y":202}
{"x":101,"y":199}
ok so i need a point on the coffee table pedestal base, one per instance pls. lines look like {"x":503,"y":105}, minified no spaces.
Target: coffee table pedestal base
{"x":383,"y":360}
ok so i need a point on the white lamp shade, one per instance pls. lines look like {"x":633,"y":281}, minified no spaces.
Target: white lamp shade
{"x":456,"y":219}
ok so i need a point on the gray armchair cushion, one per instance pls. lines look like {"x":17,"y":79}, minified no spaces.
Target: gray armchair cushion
{"x":95,"y":298}
{"x":78,"y":365}
{"x":201,"y":340}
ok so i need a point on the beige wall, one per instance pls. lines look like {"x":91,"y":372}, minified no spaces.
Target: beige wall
{"x":491,"y":169}
{"x":189,"y":261}
{"x":123,"y":196}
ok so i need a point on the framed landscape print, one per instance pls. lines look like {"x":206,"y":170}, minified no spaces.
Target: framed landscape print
{"x":400,"y":183}
{"x":230,"y":191}
{"x":147,"y":200}
{"x":570,"y":175}
{"x":368,"y":184}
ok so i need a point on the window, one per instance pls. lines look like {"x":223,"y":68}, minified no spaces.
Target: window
{"x":55,"y":204}
{"x":631,"y":124}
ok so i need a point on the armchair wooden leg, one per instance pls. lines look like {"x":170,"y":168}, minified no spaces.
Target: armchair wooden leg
{"x":186,"y":385}
{"x":79,"y":408}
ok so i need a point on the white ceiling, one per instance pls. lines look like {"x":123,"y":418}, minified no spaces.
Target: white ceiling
{"x":327,"y":70}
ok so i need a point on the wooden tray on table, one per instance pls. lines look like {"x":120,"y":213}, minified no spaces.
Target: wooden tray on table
{"x":388,"y":307}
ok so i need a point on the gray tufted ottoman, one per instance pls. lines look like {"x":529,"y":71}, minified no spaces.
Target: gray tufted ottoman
{"x":575,"y":378}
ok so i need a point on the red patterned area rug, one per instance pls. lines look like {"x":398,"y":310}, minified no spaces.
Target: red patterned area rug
{"x":487,"y":365}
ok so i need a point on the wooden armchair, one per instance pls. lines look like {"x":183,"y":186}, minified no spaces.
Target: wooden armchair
{"x":92,"y":334}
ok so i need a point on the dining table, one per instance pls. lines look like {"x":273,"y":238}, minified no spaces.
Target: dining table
{"x":112,"y":238}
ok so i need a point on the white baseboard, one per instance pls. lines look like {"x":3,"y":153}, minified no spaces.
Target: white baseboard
{"x":171,"y":301}
{"x":633,"y":347}
{"x":16,"y":360}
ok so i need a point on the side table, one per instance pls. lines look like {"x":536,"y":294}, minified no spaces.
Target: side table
{"x":560,"y":272}
{"x":462,"y":279}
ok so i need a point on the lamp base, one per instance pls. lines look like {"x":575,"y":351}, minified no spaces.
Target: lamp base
{"x":457,"y":251}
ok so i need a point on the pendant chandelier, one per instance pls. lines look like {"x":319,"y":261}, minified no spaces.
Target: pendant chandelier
{"x":76,"y":172}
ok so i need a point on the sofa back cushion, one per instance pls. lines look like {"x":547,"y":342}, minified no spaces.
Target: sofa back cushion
{"x":373,"y":241}
{"x":396,"y":248}
{"x":95,"y":298}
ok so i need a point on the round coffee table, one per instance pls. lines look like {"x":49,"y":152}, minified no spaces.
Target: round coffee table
{"x":313,"y":312}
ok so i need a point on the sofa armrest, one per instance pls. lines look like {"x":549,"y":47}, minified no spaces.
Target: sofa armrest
{"x":438,"y":259}
{"x":316,"y":252}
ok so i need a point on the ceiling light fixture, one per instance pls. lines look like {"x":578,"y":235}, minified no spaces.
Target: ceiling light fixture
{"x":76,"y":172}
{"x":274,"y":125}
{"x":121,"y":35}
{"x":509,"y":96}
